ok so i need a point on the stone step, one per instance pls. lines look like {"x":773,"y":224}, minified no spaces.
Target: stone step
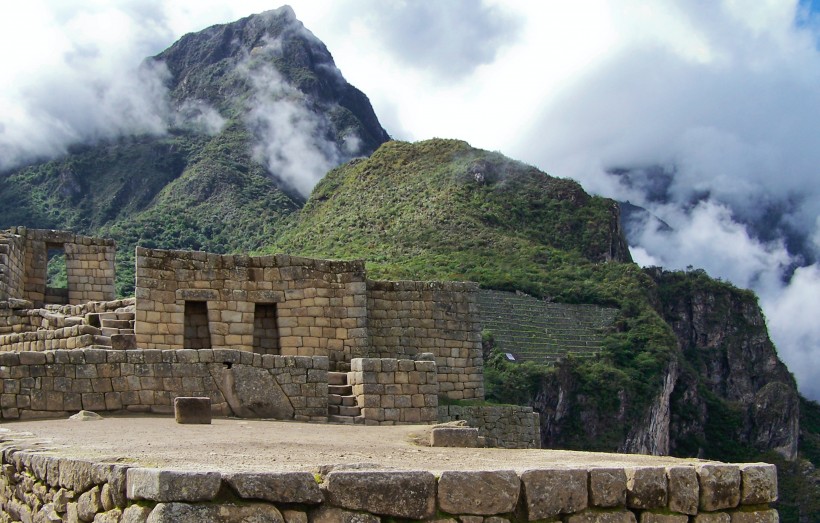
{"x":103,"y":340}
{"x":345,"y":420}
{"x":341,"y":390}
{"x":110,"y":331}
{"x":337,"y":378}
{"x":340,"y":410}
{"x":334,"y":399}
{"x":124,"y":341}
{"x":117,"y":324}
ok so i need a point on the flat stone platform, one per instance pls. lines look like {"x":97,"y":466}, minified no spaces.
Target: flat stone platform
{"x":261,"y":445}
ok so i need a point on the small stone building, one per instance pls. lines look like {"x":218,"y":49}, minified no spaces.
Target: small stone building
{"x":24,"y":256}
{"x":293,"y":306}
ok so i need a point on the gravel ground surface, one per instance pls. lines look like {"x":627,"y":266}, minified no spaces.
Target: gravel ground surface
{"x":263,"y":445}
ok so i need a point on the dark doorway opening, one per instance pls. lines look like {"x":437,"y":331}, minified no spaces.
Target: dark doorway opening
{"x":197,"y":334}
{"x":265,"y":332}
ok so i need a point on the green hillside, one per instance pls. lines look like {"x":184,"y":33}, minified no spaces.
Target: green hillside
{"x":441,"y":209}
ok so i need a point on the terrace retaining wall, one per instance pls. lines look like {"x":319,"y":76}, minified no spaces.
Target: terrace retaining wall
{"x":506,"y":426}
{"x":41,"y":485}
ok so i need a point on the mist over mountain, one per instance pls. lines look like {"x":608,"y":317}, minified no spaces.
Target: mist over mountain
{"x":245,"y":118}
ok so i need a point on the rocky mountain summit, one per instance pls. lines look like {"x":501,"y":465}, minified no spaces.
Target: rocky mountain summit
{"x":257,"y":112}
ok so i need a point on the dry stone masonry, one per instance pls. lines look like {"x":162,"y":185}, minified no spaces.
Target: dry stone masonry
{"x":58,"y":383}
{"x":24,"y":261}
{"x":391,"y":391}
{"x":500,"y":425}
{"x":38,"y":484}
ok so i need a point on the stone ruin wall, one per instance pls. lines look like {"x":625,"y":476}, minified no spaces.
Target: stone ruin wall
{"x":320,"y":306}
{"x":12,"y":266}
{"x":42,"y":485}
{"x":58,"y":383}
{"x":407,"y":318}
{"x":89,"y":266}
{"x":299,"y":306}
{"x":391,"y":391}
{"x":505,"y":426}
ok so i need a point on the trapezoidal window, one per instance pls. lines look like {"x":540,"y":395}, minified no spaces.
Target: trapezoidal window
{"x":197,"y":334}
{"x":265,"y":332}
{"x":56,"y":274}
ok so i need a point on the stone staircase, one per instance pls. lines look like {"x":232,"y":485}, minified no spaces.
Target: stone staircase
{"x":116,"y":330}
{"x":534,"y":330}
{"x":341,"y":403}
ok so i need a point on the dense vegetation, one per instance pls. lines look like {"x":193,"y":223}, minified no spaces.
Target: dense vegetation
{"x":441,"y":209}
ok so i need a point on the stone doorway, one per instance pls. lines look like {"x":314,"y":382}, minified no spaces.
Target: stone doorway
{"x":197,"y":333}
{"x":265,"y":330}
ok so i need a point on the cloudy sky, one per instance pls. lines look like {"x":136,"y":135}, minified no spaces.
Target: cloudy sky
{"x":712,"y":109}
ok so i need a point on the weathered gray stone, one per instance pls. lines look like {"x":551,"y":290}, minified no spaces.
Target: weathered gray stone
{"x":712,"y":517}
{"x":719,"y":486}
{"x":278,"y":487}
{"x":222,"y":513}
{"x":684,"y":490}
{"x":172,"y":485}
{"x":405,"y":494}
{"x":601,"y":516}
{"x":325,"y":514}
{"x":646,"y":487}
{"x":111,"y":516}
{"x":478,"y":492}
{"x":295,"y":516}
{"x":89,"y":504}
{"x":123,"y":342}
{"x":135,"y":514}
{"x":659,"y":517}
{"x":192,"y":410}
{"x":85,"y":415}
{"x":548,"y":493}
{"x":755,"y":516}
{"x":75,"y":474}
{"x":607,"y":487}
{"x":251,"y":392}
{"x":466,"y":437}
{"x":758,"y":483}
{"x":47,"y":514}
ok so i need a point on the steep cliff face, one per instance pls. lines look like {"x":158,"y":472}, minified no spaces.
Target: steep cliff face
{"x":733,"y":369}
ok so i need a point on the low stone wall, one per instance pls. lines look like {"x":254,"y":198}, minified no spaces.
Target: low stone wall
{"x":56,"y":383}
{"x":505,"y":426}
{"x":393,"y":392}
{"x":406,"y":318}
{"x":42,"y":486}
{"x":77,"y":336}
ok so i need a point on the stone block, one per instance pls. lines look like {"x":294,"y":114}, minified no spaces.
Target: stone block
{"x":482,"y":493}
{"x":607,"y":487}
{"x":596,"y":516}
{"x":277,"y":487}
{"x":758,"y":483}
{"x":192,"y":410}
{"x":712,"y":517}
{"x":171,"y":485}
{"x":663,"y":517}
{"x":454,"y":437}
{"x":646,"y":488}
{"x":719,"y":486}
{"x":684,"y":490}
{"x":325,"y":514}
{"x":548,"y":493}
{"x":755,"y":516}
{"x":223,"y":512}
{"x":403,"y":494}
